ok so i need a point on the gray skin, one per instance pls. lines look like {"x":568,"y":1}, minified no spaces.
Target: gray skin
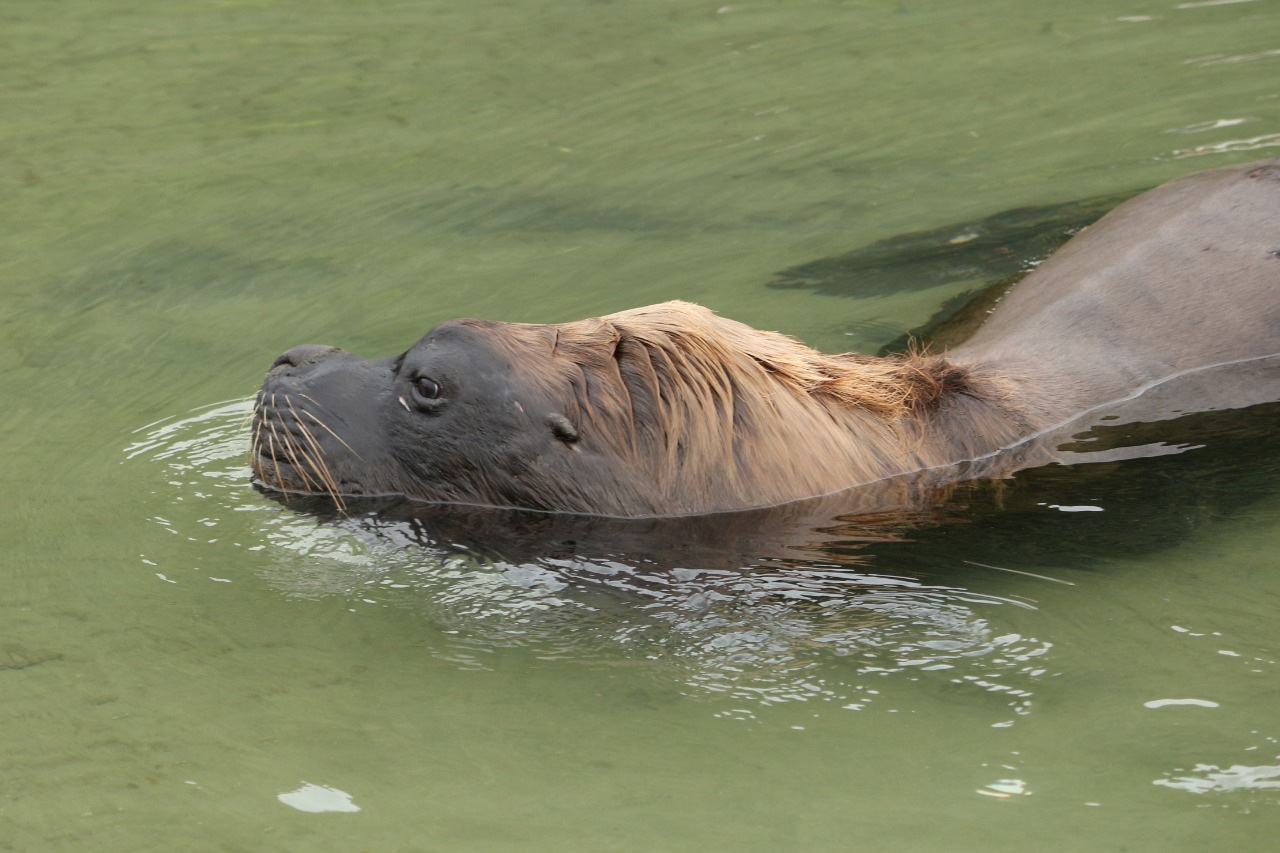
{"x":379,"y":434}
{"x":1172,"y":300}
{"x":1179,"y":279}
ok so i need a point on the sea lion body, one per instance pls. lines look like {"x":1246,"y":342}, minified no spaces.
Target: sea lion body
{"x":672,"y":410}
{"x":1178,"y":279}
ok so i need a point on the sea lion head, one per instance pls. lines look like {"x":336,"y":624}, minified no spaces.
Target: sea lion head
{"x":473,"y":413}
{"x":656,"y":411}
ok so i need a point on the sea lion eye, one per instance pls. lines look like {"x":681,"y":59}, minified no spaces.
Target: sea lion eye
{"x":426,"y":388}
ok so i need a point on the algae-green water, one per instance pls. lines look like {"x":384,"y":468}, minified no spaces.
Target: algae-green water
{"x":1087,"y":662}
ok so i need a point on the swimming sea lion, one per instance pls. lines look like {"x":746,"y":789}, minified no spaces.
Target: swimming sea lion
{"x":672,"y":410}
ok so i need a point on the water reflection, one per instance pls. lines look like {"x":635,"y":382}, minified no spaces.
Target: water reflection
{"x":1210,"y":778}
{"x":700,"y":600}
{"x":317,"y":799}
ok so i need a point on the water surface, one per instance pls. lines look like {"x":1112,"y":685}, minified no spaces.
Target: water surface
{"x":1083,"y":659}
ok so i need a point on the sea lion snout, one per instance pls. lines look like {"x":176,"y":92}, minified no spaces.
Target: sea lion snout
{"x":303,"y":355}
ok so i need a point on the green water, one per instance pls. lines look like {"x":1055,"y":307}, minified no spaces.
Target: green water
{"x":191,"y":188}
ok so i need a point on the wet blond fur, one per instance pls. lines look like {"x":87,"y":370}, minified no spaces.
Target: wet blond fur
{"x":715,"y":413}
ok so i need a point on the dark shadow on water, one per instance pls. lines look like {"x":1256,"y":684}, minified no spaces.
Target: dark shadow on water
{"x":988,"y":255}
{"x":1081,"y":516}
{"x":984,"y":250}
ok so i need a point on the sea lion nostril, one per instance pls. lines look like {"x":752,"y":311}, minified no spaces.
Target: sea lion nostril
{"x":303,"y":355}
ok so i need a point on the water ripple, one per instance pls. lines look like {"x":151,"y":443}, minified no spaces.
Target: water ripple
{"x":763,"y":631}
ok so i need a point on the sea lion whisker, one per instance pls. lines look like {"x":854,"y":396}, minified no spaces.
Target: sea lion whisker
{"x":275,"y":466}
{"x":339,"y":438}
{"x":250,"y":415}
{"x":290,"y":450}
{"x":324,"y":482}
{"x":302,"y":463}
{"x":257,"y":434}
{"x":325,"y":426}
{"x":328,"y":485}
{"x":317,"y":459}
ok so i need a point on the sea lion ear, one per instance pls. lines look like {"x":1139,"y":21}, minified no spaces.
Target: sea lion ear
{"x":561,"y":428}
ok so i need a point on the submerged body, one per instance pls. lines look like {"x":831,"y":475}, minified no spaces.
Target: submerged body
{"x":671,"y":410}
